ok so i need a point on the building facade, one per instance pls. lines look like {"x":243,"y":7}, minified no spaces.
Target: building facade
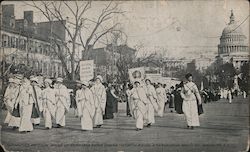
{"x":106,"y":58}
{"x":28,"y":43}
{"x":233,"y":47}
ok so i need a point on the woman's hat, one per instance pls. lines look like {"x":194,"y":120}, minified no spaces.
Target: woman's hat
{"x":59,"y":79}
{"x":35,"y":79}
{"x":11,"y":80}
{"x":82,"y":82}
{"x":99,"y":77}
{"x":18,"y":76}
{"x":48,"y":81}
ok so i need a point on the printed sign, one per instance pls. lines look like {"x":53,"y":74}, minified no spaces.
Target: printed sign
{"x":86,"y":70}
{"x":136,"y":74}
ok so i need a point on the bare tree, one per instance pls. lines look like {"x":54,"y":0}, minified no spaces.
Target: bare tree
{"x":84,"y":28}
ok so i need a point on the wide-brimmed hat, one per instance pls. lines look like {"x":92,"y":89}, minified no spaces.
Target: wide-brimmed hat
{"x":59,"y":79}
{"x":11,"y":80}
{"x":48,"y":81}
{"x":16,"y":81}
{"x":34,"y":79}
{"x":82,"y":82}
{"x":99,"y":77}
{"x":18,"y":76}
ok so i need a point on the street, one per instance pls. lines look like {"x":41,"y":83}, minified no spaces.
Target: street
{"x":224,"y":127}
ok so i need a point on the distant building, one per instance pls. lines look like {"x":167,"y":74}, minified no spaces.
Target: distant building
{"x":105,"y":58}
{"x":233,"y":47}
{"x":202,"y":63}
{"x":171,"y":66}
{"x":29,"y":43}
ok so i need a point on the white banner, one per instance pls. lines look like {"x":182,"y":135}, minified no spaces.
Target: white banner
{"x":86,"y":70}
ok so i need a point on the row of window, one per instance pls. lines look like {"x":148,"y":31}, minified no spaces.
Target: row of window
{"x":45,"y":68}
{"x":30,"y":45}
{"x":233,"y":49}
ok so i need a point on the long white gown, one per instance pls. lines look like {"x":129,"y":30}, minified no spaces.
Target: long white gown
{"x":152,"y":106}
{"x":26,"y":105}
{"x":189,"y":94}
{"x":140,"y":109}
{"x":49,"y":106}
{"x":162,"y":98}
{"x":86,"y":108}
{"x":62,"y":103}
{"x":99,"y":93}
{"x":10,"y":97}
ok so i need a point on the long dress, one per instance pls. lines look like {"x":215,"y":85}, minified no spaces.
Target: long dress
{"x":99,"y":93}
{"x":161,"y":96}
{"x":189,"y":94}
{"x":140,"y":108}
{"x":49,"y":106}
{"x":153,"y":106}
{"x":178,"y":102}
{"x":26,"y":105}
{"x":10,"y":97}
{"x":109,"y":105}
{"x":37,"y":104}
{"x":62,"y":103}
{"x":130,"y":103}
{"x":86,"y":108}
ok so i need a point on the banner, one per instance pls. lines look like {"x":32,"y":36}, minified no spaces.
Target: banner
{"x":86,"y":70}
{"x":136,"y":74}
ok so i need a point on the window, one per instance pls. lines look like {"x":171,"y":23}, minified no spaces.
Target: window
{"x":5,"y":40}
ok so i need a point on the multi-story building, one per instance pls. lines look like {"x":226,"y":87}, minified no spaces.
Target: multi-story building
{"x":105,"y":59}
{"x":28,"y":43}
{"x":233,"y":46}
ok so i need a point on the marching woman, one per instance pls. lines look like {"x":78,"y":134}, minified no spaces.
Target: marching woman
{"x":49,"y":103}
{"x":86,"y":106}
{"x":190,"y":94}
{"x":153,"y":106}
{"x":15,"y":115}
{"x":26,"y":102}
{"x":99,"y":93}
{"x":62,"y":102}
{"x":140,"y":102}
{"x":11,"y":101}
{"x":37,"y":101}
{"x":162,"y":98}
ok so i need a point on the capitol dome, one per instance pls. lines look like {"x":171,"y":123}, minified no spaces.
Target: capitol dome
{"x":233,"y":45}
{"x":232,"y":40}
{"x":232,"y":29}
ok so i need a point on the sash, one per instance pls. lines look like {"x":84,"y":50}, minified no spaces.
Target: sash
{"x":99,"y":103}
{"x":16,"y":111}
{"x":84,"y":106}
{"x":142,"y":102}
{"x":36,"y":102}
{"x":154,"y":103}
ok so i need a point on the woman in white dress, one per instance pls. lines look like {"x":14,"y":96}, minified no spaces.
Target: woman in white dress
{"x":86,"y":106}
{"x":99,"y":93}
{"x":49,"y":103}
{"x":162,"y":98}
{"x":140,"y":102}
{"x":26,"y":104}
{"x":153,"y":106}
{"x":190,"y":94}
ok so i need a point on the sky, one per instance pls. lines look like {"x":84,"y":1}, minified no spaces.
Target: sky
{"x":174,"y":28}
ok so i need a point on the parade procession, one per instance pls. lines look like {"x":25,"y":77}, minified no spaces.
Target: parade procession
{"x":27,"y":101}
{"x":124,"y":76}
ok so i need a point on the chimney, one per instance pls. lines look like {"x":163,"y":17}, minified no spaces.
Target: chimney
{"x":8,"y":13}
{"x":28,"y":15}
